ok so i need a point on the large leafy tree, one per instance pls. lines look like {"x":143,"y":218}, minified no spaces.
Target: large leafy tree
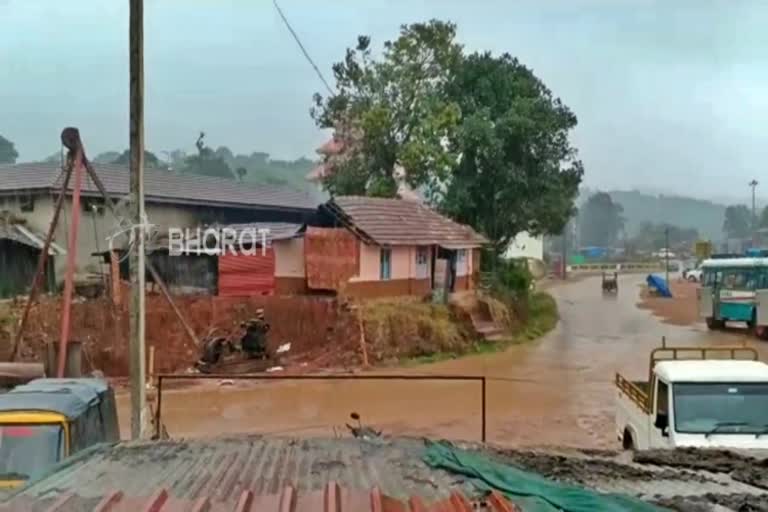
{"x":516,"y":171}
{"x":763,"y":219}
{"x":601,"y":220}
{"x":107,"y":157}
{"x":392,"y":112}
{"x":150,"y":159}
{"x":8,"y":153}
{"x":207,"y":162}
{"x":651,"y":236}
{"x":737,"y":222}
{"x":480,"y":134}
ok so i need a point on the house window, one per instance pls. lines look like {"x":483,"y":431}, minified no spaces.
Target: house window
{"x":27,"y":202}
{"x":461,"y":255}
{"x":385,"y":267}
{"x":93,"y":205}
{"x":422,"y":255}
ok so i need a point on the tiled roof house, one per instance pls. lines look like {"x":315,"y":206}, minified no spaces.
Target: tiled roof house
{"x":406,"y":248}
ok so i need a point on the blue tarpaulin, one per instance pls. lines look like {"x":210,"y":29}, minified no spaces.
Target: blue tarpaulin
{"x":530,"y":491}
{"x":659,"y":284}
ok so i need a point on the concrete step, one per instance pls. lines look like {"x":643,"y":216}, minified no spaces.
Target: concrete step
{"x":489,"y":331}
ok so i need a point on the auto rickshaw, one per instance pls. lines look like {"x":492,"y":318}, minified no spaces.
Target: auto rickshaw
{"x":47,"y":420}
{"x":610,"y":283}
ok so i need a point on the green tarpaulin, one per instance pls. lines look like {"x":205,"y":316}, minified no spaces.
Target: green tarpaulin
{"x":530,"y":491}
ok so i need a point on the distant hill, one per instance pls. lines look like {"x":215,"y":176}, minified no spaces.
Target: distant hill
{"x":685,"y":212}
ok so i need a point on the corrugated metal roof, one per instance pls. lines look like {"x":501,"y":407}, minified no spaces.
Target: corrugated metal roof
{"x":333,"y":498}
{"x":227,"y":470}
{"x":273,"y":230}
{"x":21,"y":234}
{"x":160,"y":187}
{"x":399,"y":222}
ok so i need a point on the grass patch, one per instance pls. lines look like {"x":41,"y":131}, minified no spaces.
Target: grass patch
{"x":7,"y":326}
{"x":396,"y":330}
{"x":541,"y":317}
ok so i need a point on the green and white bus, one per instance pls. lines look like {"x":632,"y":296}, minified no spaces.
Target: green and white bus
{"x":735,"y":290}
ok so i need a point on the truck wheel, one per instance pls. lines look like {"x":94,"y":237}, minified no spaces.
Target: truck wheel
{"x":692,"y":279}
{"x":628,"y":442}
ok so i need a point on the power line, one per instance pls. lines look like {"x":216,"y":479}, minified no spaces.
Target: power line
{"x":303,"y":50}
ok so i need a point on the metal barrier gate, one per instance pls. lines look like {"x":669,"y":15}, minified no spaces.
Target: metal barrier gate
{"x":270,"y":376}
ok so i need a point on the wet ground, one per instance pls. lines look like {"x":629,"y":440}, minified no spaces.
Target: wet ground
{"x":554,"y":391}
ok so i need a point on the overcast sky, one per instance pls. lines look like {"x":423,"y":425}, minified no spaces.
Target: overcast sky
{"x":671,"y":95}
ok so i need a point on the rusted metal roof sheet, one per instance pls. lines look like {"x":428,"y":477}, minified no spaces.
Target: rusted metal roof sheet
{"x":161,"y":187}
{"x":333,"y":498}
{"x":400,"y":222}
{"x":331,"y":257}
{"x":226,"y":470}
{"x":244,"y":275}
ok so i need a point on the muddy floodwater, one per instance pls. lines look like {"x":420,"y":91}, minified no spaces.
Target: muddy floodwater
{"x":554,"y":391}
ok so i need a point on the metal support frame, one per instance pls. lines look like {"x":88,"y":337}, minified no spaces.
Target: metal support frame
{"x":70,"y":138}
{"x":77,"y":156}
{"x":270,"y":376}
{"x":42,"y":260}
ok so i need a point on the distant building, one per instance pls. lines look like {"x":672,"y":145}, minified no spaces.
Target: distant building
{"x":526,"y":246}
{"x":332,"y":152}
{"x":29,"y":191}
{"x":398,"y":247}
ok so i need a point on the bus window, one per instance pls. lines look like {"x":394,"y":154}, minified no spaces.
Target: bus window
{"x":739,"y":279}
{"x":761,"y":279}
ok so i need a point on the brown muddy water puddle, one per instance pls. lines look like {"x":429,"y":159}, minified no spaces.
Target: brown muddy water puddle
{"x":555,"y":391}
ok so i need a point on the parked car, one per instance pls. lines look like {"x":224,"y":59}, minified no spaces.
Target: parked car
{"x":693,"y":275}
{"x":664,"y":253}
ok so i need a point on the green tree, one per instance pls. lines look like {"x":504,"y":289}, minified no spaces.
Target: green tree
{"x":600,"y":220}
{"x":763,"y":220}
{"x":107,"y":157}
{"x":517,"y":170}
{"x":8,"y":153}
{"x":737,"y":222}
{"x":150,"y":160}
{"x":393,"y":111}
{"x":56,"y":157}
{"x":207,"y":162}
{"x":652,"y":237}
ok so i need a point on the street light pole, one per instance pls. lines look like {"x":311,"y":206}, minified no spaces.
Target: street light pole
{"x":753,"y":184}
{"x":666,"y":253}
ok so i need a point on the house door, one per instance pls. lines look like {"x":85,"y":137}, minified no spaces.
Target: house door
{"x":447,"y":258}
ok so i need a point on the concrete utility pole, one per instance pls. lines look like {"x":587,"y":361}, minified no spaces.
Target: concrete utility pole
{"x":753,"y":184}
{"x":136,"y":262}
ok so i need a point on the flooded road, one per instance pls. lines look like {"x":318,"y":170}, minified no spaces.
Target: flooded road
{"x":554,"y":391}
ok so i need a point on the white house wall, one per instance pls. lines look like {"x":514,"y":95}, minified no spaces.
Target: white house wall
{"x":526,"y":246}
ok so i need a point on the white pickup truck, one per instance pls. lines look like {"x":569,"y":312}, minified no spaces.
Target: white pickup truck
{"x":692,"y":398}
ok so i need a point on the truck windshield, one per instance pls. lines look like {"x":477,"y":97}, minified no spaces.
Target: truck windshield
{"x":27,"y":450}
{"x":735,"y":408}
